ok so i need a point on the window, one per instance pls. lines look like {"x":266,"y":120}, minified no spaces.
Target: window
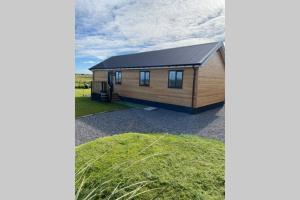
{"x":144,"y":78}
{"x":175,"y":78}
{"x":118,"y":79}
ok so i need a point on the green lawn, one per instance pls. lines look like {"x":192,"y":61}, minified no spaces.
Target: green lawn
{"x":82,"y":92}
{"x":150,"y":166}
{"x":85,"y":106}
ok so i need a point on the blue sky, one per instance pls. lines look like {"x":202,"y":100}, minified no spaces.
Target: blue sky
{"x":106,"y":28}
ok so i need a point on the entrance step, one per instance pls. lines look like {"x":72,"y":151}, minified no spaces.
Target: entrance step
{"x":115,"y":97}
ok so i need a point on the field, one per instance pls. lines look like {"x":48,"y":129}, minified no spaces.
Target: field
{"x":81,"y":79}
{"x":150,"y":166}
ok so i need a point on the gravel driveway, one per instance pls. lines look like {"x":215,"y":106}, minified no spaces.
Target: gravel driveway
{"x":209,"y":123}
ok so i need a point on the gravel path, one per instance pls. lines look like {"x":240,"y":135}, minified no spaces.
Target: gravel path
{"x":208,"y":124}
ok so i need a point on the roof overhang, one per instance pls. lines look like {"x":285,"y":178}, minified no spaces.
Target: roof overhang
{"x":190,"y":59}
{"x":148,"y":67}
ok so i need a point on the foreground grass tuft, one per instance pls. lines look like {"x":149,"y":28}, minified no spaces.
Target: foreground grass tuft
{"x":150,"y":166}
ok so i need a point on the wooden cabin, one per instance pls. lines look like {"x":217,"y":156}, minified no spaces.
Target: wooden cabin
{"x":188,"y":79}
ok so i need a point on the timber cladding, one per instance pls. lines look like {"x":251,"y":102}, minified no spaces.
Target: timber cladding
{"x":100,"y":75}
{"x":96,"y":87}
{"x":211,"y":81}
{"x":158,"y":90}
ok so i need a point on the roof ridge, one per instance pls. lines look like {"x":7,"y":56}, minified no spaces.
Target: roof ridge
{"x":196,"y":53}
{"x":165,"y":49}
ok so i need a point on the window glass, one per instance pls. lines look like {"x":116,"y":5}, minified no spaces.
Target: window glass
{"x":147,"y":78}
{"x":175,"y":78}
{"x":172,"y":78}
{"x":141,"y":78}
{"x":118,"y":77}
{"x":178,"y":79}
{"x":144,"y":78}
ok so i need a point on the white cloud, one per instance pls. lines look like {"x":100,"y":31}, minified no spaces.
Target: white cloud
{"x":89,"y":62}
{"x":108,"y":27}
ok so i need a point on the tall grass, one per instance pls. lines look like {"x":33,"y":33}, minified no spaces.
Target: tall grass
{"x":84,"y":191}
{"x":150,"y":166}
{"x":123,"y":190}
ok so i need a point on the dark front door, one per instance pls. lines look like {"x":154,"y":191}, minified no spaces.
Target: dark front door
{"x":110,"y":83}
{"x":110,"y":79}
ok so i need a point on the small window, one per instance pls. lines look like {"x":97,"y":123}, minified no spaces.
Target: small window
{"x":118,"y":79}
{"x":144,"y":78}
{"x":175,"y":78}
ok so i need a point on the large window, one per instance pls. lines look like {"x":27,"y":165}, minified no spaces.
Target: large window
{"x":118,"y":79}
{"x":144,"y":78}
{"x":175,"y":78}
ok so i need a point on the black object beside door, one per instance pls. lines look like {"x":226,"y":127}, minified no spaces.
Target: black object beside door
{"x":110,"y":81}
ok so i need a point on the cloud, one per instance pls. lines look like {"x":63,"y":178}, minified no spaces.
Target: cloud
{"x":89,"y":62}
{"x":111,"y":27}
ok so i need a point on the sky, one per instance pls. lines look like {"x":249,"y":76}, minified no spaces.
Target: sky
{"x":104,"y":28}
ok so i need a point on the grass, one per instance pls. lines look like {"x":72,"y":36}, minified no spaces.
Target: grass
{"x":85,"y":106}
{"x":80,"y":92}
{"x":150,"y":166}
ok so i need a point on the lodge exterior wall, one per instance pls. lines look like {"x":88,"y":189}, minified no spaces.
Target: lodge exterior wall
{"x":208,"y":89}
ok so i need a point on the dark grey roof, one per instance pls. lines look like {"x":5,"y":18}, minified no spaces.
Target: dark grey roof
{"x":188,"y":55}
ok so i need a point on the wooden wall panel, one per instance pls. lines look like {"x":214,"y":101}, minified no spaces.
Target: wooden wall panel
{"x":211,"y":81}
{"x":100,"y":75}
{"x":96,"y":87}
{"x":158,"y":90}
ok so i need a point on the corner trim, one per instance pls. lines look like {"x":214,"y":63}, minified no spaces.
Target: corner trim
{"x":193,"y":90}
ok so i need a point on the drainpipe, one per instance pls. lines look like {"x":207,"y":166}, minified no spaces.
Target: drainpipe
{"x":194,"y":80}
